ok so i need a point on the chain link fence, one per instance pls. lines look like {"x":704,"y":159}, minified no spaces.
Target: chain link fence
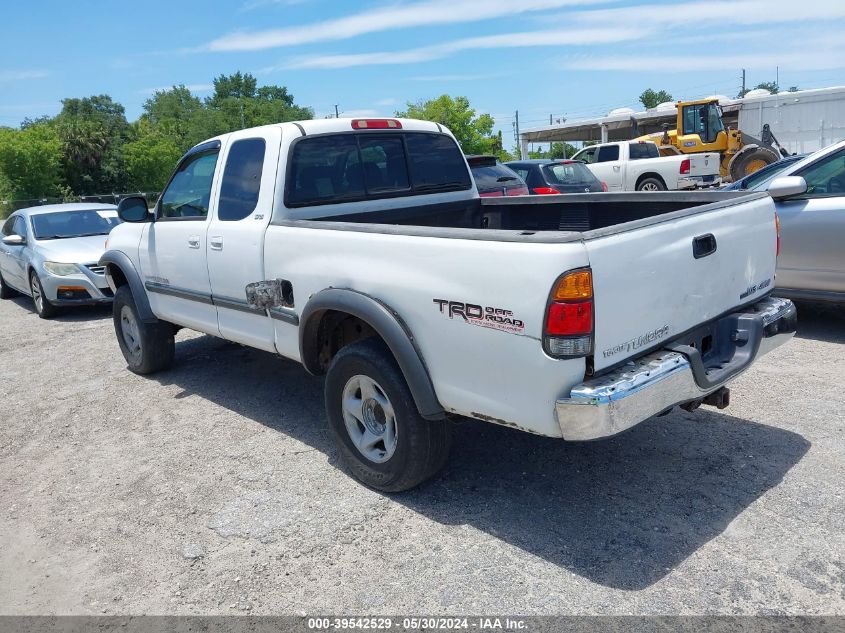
{"x":7,"y":207}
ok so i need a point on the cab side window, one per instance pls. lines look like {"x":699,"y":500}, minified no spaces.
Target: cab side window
{"x":19,"y":227}
{"x":826,"y":177}
{"x":188,"y":194}
{"x":608,"y":153}
{"x":241,"y":183}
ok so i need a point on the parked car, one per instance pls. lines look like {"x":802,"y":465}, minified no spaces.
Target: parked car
{"x":810,"y":201}
{"x":574,"y":317}
{"x":50,"y":253}
{"x":766,"y":173}
{"x":638,"y":166}
{"x":493,"y":179}
{"x":546,"y":176}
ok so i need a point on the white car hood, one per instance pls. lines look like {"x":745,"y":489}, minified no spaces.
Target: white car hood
{"x":73,"y":250}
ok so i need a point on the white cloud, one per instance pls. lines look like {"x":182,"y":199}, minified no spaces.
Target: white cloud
{"x":387,"y":18}
{"x":438,"y":51}
{"x":387,"y":102}
{"x":19,"y":75}
{"x":700,"y":16}
{"x":678,"y":63}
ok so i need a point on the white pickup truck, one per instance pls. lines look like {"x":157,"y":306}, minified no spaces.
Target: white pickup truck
{"x":638,"y":166}
{"x":361,"y":249}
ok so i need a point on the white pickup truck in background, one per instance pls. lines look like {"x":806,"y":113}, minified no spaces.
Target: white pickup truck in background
{"x":361,"y":249}
{"x":638,"y":166}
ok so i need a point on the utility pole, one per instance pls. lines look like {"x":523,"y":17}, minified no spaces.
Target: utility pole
{"x":550,"y":120}
{"x":777,"y":75}
{"x":743,"y":83}
{"x":516,"y":131}
{"x":336,"y":112}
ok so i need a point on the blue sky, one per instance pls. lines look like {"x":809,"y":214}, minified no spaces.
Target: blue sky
{"x":572,"y":58}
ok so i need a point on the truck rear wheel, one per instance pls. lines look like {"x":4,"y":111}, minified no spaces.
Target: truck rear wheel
{"x":375,"y":424}
{"x":651,"y":184}
{"x":147,"y":347}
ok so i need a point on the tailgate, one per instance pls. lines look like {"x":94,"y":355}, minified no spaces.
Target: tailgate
{"x":704,"y":164}
{"x":654,"y":279}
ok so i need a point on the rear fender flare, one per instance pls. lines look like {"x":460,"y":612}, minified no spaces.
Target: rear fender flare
{"x":387,"y":324}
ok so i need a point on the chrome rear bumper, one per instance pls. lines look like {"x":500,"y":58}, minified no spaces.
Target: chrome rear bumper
{"x":616,"y":401}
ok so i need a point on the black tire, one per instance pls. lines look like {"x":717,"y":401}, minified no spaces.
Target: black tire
{"x":745,"y":162}
{"x":421,"y":446}
{"x":147,"y":347}
{"x":43,"y":307}
{"x":6,"y":291}
{"x":651,"y":184}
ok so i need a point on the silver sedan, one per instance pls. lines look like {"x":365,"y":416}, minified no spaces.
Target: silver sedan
{"x":50,"y":253}
{"x":810,"y":201}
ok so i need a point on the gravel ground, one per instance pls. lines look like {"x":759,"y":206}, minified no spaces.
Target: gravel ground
{"x":214,"y":488}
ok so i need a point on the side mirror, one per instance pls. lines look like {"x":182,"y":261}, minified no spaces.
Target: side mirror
{"x":787,"y":186}
{"x":14,"y":240}
{"x":133,"y":209}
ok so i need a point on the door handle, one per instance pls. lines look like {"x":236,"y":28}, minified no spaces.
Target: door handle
{"x":216,"y":243}
{"x":194,"y":241}
{"x":703,"y":245}
{"x":616,"y":168}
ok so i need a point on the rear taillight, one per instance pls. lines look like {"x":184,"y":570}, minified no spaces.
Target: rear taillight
{"x":568,"y":331}
{"x":376,"y":124}
{"x":685,"y":166}
{"x":545,"y":191}
{"x":491,"y":194}
{"x":518,"y":191}
{"x":604,"y":186}
{"x":777,"y":231}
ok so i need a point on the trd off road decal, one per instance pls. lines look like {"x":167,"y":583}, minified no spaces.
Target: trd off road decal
{"x":484,"y":316}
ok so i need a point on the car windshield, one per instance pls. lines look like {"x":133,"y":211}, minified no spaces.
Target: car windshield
{"x":767,"y":172}
{"x":568,"y":174}
{"x":494,"y":177}
{"x":65,"y":224}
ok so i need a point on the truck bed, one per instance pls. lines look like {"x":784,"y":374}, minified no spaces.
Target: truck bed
{"x":521,"y":218}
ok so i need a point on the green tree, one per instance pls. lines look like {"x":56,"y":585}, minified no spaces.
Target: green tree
{"x":30,"y":162}
{"x":239,"y":103}
{"x":93,"y":131}
{"x":651,"y":99}
{"x":473,"y":132}
{"x":176,"y":114}
{"x":150,"y":159}
{"x":561,"y":150}
{"x":771,"y":86}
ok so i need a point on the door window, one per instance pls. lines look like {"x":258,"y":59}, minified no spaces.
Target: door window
{"x":19,"y":227}
{"x":241,"y":183}
{"x":826,"y":177}
{"x":588,"y":155}
{"x":608,"y":153}
{"x":7,"y":226}
{"x":188,"y":194}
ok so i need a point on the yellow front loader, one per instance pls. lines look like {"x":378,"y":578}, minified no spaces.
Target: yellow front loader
{"x":700,"y":128}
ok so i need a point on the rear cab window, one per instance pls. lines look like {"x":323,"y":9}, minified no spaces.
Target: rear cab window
{"x":350,"y":167}
{"x":638,"y":151}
